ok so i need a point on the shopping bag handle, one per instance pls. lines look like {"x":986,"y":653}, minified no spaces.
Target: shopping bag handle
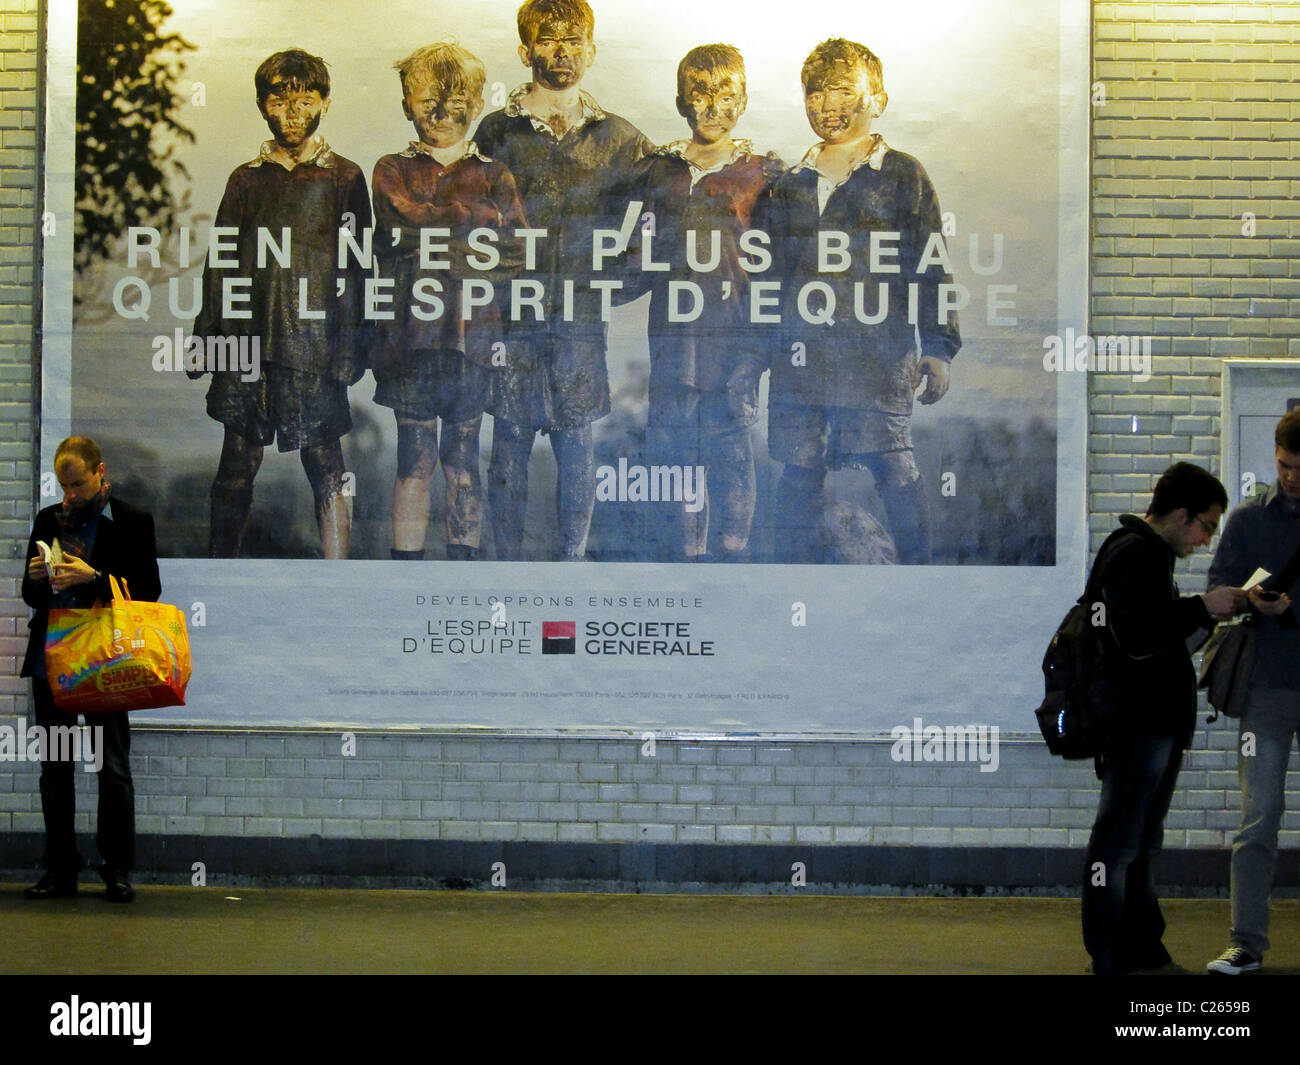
{"x":120,"y":591}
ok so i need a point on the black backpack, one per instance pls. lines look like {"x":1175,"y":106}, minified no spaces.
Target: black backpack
{"x":1080,"y":709}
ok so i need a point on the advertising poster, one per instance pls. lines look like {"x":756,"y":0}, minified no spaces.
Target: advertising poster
{"x":691,"y":489}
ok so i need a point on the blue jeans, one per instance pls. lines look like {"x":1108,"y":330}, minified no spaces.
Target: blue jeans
{"x":1122,"y":923}
{"x":1269,"y":722}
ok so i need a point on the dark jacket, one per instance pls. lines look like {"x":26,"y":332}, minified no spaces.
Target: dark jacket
{"x":413,"y":191}
{"x":124,"y":547}
{"x":1150,"y":623}
{"x":850,"y":363}
{"x":570,"y":187}
{"x":702,"y":353}
{"x":1264,"y":532}
{"x":313,"y":201}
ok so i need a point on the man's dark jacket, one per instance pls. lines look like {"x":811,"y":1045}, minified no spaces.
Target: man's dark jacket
{"x":1150,"y":623}
{"x":123,"y":547}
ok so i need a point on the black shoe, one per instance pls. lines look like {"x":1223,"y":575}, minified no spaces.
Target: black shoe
{"x":51,"y":886}
{"x":117,"y":887}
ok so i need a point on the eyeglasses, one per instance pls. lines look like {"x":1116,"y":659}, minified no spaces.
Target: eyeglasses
{"x":1210,"y":530}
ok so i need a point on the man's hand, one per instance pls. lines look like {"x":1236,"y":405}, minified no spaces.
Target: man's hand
{"x":36,"y":569}
{"x":935,"y":372}
{"x":1271,"y":609}
{"x":71,"y":571}
{"x":1223,"y":602}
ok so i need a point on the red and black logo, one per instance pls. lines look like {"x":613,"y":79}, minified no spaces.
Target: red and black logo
{"x":559,"y":637}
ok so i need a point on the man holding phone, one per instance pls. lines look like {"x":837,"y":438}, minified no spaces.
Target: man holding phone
{"x":1264,"y":532}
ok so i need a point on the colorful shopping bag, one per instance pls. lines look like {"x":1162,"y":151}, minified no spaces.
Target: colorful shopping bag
{"x":128,"y":655}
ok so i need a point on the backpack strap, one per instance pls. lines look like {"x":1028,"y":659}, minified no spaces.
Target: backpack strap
{"x":1105,"y":554}
{"x":1116,"y":542}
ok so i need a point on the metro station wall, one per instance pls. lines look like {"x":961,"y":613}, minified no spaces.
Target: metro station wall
{"x":1190,"y":137}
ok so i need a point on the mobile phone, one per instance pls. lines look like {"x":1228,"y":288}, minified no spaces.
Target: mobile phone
{"x":1269,"y":597}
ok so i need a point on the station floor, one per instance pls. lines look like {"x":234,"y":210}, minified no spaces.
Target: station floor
{"x":293,"y":931}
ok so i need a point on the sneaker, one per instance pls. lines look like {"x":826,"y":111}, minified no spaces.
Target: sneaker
{"x":1234,"y":961}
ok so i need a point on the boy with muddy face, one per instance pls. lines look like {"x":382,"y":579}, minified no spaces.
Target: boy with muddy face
{"x":842,"y":389}
{"x":572,"y":161}
{"x":427,"y":368}
{"x":699,"y":197}
{"x":297,"y":395}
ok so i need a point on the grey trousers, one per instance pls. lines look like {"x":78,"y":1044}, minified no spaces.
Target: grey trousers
{"x":1268,"y":728}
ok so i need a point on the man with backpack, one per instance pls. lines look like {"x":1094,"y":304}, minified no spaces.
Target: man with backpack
{"x":1147,"y":624}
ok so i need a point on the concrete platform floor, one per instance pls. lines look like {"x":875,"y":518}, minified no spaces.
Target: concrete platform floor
{"x":217,"y":930}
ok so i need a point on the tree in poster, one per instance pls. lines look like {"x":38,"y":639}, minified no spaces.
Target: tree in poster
{"x":127,"y":111}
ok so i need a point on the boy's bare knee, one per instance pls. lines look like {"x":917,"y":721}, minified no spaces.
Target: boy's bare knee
{"x":895,"y":469}
{"x":417,"y":448}
{"x":459,"y":449}
{"x":240,"y":460}
{"x":459,"y":478}
{"x":323,"y":465}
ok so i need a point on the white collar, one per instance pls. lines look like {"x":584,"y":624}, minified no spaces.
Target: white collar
{"x":874,"y":158}
{"x":321,"y":155}
{"x":515,"y":108}
{"x":416,"y":148}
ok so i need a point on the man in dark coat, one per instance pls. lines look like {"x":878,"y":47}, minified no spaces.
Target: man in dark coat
{"x":99,"y":537}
